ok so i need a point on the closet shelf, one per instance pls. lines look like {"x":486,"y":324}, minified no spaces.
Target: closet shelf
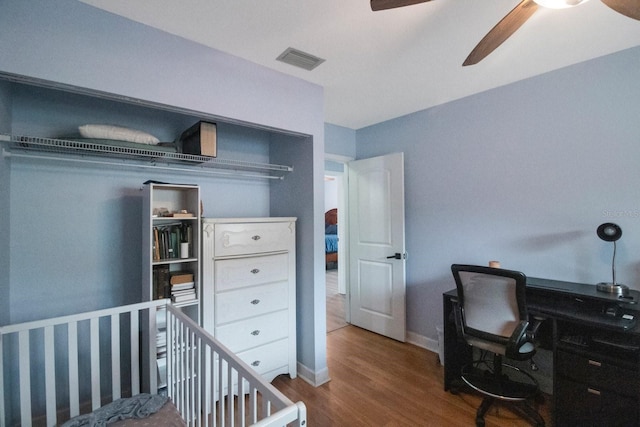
{"x":89,"y":152}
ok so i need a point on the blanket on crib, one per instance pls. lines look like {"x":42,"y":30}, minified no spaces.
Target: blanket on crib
{"x":136,"y":407}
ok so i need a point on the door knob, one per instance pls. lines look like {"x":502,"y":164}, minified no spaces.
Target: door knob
{"x":397,"y":255}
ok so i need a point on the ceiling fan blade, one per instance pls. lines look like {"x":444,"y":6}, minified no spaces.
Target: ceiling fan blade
{"x":630,"y":8}
{"x":502,"y":31}
{"x":392,"y":4}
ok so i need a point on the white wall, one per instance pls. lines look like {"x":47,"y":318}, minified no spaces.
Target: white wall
{"x":330,"y":193}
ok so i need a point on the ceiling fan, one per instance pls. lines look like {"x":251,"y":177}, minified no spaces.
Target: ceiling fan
{"x":514,"y":19}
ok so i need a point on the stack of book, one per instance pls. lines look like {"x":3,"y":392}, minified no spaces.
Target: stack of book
{"x":182,"y":286}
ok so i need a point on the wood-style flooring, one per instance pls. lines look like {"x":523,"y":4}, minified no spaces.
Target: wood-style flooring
{"x":376,"y":381}
{"x":335,"y":303}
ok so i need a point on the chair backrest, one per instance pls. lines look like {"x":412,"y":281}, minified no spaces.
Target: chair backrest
{"x":492,"y":301}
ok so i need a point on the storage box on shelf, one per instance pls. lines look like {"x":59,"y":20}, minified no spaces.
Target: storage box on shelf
{"x":171,"y":253}
{"x":249,"y":290}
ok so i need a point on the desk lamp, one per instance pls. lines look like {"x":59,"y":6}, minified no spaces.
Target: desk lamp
{"x":610,"y":232}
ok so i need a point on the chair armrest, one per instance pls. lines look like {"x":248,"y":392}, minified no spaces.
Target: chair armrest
{"x":517,"y":339}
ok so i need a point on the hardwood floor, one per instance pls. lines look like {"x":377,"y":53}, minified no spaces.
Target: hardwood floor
{"x":335,"y":303}
{"x":376,"y":381}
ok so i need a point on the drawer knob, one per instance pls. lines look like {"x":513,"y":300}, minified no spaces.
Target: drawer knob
{"x":594,"y":363}
{"x":255,"y":271}
{"x":256,"y":332}
{"x":255,"y":302}
{"x":255,"y":363}
{"x":255,"y":238}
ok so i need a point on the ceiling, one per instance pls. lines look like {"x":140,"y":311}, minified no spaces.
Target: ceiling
{"x":385,"y":64}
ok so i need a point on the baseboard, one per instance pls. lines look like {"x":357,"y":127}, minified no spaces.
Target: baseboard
{"x":422,"y":341}
{"x":316,"y":379}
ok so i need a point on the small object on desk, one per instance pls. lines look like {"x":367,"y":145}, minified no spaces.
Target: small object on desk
{"x":494,"y":264}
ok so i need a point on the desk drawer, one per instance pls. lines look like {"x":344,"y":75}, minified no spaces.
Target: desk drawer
{"x":250,"y":271}
{"x":597,"y":374}
{"x":250,"y":302}
{"x":252,"y":238}
{"x":254,"y":332}
{"x":577,"y":404}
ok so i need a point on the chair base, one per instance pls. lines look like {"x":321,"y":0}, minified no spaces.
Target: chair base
{"x":503,"y":388}
{"x":497,"y":387}
{"x":520,"y":407}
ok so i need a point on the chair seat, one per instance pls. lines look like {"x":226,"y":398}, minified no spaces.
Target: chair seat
{"x":508,"y":388}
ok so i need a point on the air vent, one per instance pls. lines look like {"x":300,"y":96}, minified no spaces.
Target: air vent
{"x":300,"y":59}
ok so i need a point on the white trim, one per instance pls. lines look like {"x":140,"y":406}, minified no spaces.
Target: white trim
{"x":316,"y":379}
{"x":422,"y":341}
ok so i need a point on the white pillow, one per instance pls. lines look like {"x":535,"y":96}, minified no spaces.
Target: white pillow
{"x":118,"y":133}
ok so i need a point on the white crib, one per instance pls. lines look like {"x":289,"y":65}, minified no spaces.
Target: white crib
{"x":55,"y":369}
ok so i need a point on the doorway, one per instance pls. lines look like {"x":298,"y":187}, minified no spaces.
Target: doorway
{"x":335,"y":250}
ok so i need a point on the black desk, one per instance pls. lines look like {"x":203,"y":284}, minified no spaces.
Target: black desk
{"x":595,"y":341}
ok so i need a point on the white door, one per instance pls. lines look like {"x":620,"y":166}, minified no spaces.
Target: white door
{"x":377,"y":245}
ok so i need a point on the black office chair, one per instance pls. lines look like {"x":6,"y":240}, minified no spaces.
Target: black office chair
{"x":491,"y":316}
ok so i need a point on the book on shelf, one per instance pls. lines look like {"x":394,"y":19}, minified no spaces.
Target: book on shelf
{"x":161,"y":282}
{"x":182,"y":215}
{"x":180,"y":292}
{"x":179,"y":277}
{"x":156,"y":244}
{"x":184,"y":296}
{"x":182,"y":286}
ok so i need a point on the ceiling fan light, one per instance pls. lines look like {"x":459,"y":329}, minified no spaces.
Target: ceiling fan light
{"x":559,"y":4}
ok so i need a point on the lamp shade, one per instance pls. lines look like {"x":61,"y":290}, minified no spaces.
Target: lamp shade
{"x":609,"y":232}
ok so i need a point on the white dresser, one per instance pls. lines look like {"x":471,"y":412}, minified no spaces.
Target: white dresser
{"x":249,"y":290}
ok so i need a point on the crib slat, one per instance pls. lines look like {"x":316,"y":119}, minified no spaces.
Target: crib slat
{"x":25,"y":378}
{"x":192,"y":377}
{"x":115,"y":357}
{"x":95,"y":363}
{"x":3,"y":414}
{"x":229,"y":390}
{"x":201,"y":380}
{"x":74,"y":392}
{"x":241,"y":404}
{"x":212,"y":390}
{"x":253,"y":404}
{"x":153,"y":361}
{"x":50,"y":375}
{"x":135,"y":353}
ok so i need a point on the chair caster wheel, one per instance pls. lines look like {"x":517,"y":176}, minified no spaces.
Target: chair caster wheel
{"x":479,"y":422}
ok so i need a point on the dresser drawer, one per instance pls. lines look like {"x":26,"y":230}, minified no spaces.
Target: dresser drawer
{"x":254,"y":332}
{"x":250,"y":271}
{"x":252,"y":238}
{"x":597,"y":374}
{"x":268,"y":357}
{"x":250,"y":302}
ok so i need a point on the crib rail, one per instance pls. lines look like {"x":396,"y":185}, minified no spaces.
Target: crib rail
{"x":54,"y":369}
{"x":211,"y":386}
{"x":62,"y":365}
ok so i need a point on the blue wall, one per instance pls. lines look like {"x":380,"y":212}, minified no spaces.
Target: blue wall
{"x":522,"y":174}
{"x":75,"y":231}
{"x":340,"y":140}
